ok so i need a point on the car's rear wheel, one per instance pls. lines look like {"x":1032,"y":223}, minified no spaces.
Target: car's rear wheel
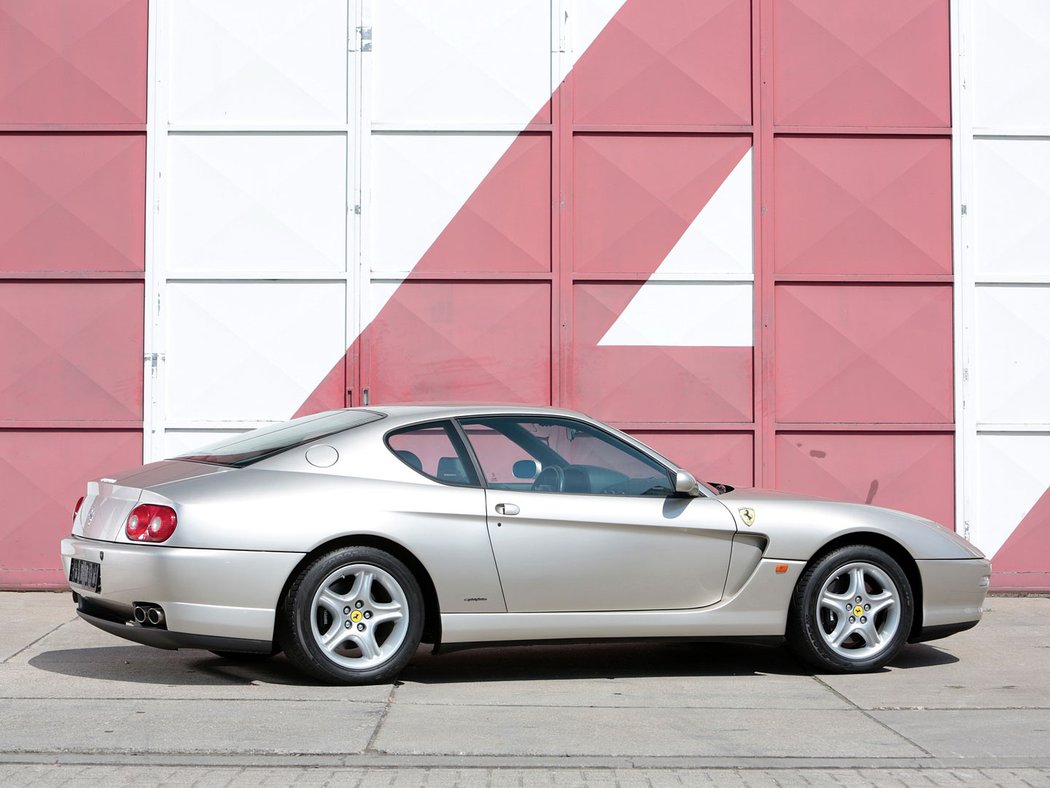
{"x":851,"y":611}
{"x":352,"y":616}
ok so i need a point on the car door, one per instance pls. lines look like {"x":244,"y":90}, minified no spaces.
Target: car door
{"x":580,"y":520}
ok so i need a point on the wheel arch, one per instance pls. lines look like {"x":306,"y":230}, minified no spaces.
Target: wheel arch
{"x":431,"y":608}
{"x":895,"y":550}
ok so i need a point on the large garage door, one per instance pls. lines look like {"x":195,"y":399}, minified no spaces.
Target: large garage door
{"x":723,"y":226}
{"x":585,"y":242}
{"x":1004,"y":201}
{"x":253,"y":241}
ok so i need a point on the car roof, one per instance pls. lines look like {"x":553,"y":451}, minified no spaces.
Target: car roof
{"x":416,"y":411}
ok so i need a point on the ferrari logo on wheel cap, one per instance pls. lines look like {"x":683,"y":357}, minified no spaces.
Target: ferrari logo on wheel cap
{"x":748,"y":516}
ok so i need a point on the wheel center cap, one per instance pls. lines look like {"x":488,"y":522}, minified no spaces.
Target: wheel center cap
{"x":858,"y":610}
{"x":356,"y":616}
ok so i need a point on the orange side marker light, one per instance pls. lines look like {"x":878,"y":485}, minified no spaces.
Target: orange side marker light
{"x":781,"y":568}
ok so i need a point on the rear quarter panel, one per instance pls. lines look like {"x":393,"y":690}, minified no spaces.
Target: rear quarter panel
{"x":285,"y":511}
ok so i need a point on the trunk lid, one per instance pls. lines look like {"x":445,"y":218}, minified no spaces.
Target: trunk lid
{"x":109,"y":501}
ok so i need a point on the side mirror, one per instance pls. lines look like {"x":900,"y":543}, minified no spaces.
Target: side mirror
{"x":686,"y":483}
{"x":525,"y":469}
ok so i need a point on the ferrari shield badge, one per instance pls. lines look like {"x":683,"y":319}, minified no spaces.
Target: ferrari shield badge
{"x":748,"y":516}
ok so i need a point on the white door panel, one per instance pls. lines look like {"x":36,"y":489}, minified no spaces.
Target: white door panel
{"x":1012,"y":201}
{"x":1011,"y":63}
{"x":250,"y":351}
{"x":1013,"y":354}
{"x":258,"y":61}
{"x":257,"y":202}
{"x":461,"y":62}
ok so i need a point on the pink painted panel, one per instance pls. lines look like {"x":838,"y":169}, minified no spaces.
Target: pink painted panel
{"x":42,"y":473}
{"x":726,"y":457}
{"x":912,"y":472}
{"x":505,"y":225}
{"x":636,"y":194}
{"x":861,"y":64}
{"x":463,"y":341}
{"x":648,"y":383}
{"x":73,"y":62}
{"x":864,"y":353}
{"x":71,"y":351}
{"x":863,"y":205}
{"x":1023,"y":562}
{"x":72,"y":202}
{"x":671,"y":62}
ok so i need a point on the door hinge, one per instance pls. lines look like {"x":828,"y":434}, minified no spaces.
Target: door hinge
{"x":153,"y":359}
{"x":361,"y":40}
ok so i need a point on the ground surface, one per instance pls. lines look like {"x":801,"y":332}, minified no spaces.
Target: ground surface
{"x":79,"y":706}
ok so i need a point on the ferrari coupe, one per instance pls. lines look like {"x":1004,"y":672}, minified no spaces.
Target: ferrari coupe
{"x":347,"y":538}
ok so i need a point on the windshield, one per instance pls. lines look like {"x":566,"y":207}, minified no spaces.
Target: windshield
{"x":251,"y":447}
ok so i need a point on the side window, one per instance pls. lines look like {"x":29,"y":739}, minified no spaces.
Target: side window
{"x":561,"y":455}
{"x":506,"y":465}
{"x":433,"y":450}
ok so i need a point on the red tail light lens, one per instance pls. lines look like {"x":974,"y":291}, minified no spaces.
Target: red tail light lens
{"x":76,"y":509}
{"x":150,"y":523}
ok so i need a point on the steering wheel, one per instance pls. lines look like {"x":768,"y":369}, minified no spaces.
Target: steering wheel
{"x":550,"y":479}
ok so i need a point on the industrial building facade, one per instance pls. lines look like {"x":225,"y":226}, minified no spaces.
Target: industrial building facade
{"x":789,"y":243}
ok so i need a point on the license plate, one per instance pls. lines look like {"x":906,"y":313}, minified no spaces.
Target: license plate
{"x":86,"y":574}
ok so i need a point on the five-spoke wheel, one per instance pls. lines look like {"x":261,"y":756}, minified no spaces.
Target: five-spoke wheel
{"x":852,"y":610}
{"x":353,"y":616}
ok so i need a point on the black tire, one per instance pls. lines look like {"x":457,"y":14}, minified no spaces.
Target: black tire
{"x":325,"y":605}
{"x":829,"y":626}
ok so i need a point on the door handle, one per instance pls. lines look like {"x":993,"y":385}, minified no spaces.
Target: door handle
{"x":507,"y":508}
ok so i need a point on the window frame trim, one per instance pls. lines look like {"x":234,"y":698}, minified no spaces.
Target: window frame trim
{"x":452,"y":430}
{"x":670,"y":471}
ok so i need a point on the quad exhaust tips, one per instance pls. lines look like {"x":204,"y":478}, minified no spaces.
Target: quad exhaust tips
{"x":147,"y":614}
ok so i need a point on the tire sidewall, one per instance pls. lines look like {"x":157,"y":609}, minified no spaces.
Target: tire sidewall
{"x":805,"y":636}
{"x":297,"y":614}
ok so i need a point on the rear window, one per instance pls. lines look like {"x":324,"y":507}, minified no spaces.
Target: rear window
{"x":251,"y":447}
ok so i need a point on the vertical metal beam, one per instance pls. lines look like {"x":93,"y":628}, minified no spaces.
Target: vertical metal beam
{"x":561,"y":210}
{"x":154,"y":366}
{"x":966,"y":481}
{"x":765,"y":362}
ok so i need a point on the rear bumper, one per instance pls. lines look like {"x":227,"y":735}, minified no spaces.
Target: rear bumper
{"x":222,"y":594}
{"x":164,"y":638}
{"x":953,"y":593}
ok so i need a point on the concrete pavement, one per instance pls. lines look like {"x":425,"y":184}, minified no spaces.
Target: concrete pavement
{"x":79,"y":705}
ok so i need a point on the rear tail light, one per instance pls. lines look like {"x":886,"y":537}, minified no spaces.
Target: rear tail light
{"x":76,"y":509}
{"x":150,"y":523}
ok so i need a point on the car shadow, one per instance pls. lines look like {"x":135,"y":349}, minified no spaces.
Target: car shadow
{"x":552,"y":662}
{"x":922,"y":655}
{"x":541,"y":662}
{"x":142,"y":664}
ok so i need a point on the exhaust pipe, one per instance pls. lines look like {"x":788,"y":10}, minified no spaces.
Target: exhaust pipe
{"x":147,"y":614}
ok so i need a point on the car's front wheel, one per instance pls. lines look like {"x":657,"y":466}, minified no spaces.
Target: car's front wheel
{"x":851,"y":611}
{"x":352,"y":616}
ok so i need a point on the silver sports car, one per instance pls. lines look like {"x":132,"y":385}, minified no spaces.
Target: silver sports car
{"x":348,"y":537}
